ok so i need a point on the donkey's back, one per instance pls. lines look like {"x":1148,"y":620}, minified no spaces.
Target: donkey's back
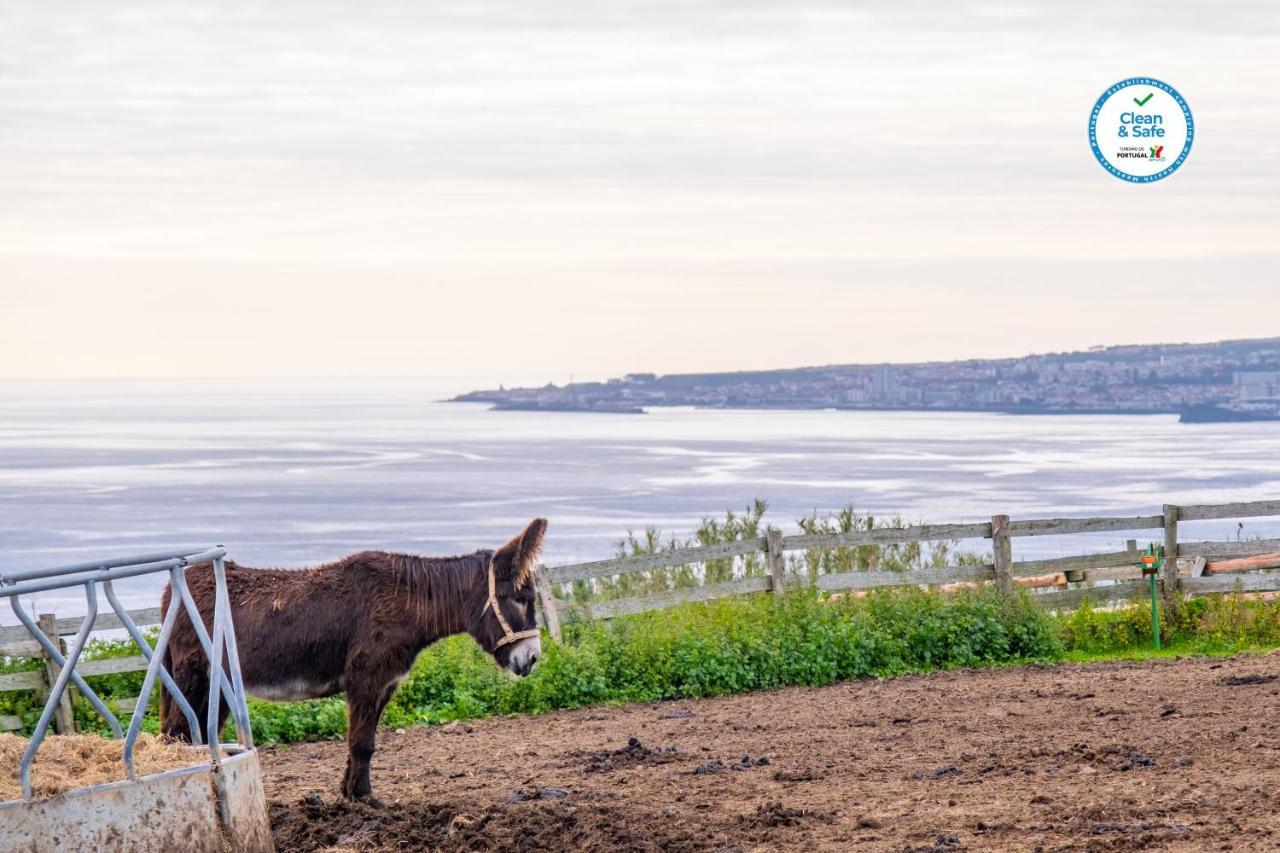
{"x":296,"y":628}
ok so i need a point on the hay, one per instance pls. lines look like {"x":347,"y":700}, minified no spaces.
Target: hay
{"x":75,"y":761}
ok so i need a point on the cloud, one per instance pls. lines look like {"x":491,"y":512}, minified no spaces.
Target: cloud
{"x":508,"y":143}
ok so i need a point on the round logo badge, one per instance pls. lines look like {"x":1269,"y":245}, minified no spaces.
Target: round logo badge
{"x":1141,"y":130}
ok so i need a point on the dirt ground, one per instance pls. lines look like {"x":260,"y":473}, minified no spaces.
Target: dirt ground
{"x":1174,"y":755}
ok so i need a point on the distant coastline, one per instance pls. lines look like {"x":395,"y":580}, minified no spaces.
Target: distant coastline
{"x":1192,"y":415}
{"x":599,"y":408}
{"x":1226,"y":381}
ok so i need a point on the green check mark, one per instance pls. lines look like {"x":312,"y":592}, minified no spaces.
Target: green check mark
{"x":1143,"y":102}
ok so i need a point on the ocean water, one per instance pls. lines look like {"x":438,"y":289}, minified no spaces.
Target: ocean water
{"x":289,"y":473}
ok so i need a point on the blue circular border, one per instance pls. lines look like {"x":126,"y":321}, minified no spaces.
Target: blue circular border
{"x":1093,"y":130}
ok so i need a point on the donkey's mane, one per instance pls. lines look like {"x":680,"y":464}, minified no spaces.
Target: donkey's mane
{"x":436,"y":590}
{"x":434,"y":586}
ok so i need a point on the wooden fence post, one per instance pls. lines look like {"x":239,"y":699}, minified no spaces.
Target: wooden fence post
{"x":777,"y":559}
{"x":64,"y":721}
{"x":549,"y":611}
{"x":1170,"y":566}
{"x":1002,"y":550}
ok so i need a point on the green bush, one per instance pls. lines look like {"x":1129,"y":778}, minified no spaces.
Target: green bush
{"x":1215,"y":624}
{"x":729,"y":646}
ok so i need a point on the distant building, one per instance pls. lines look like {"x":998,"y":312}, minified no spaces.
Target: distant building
{"x":941,"y":398}
{"x":1255,"y":386}
{"x":909,"y":396}
{"x":882,"y":382}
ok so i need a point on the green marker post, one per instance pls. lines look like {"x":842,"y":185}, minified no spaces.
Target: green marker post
{"x":1152,"y":558}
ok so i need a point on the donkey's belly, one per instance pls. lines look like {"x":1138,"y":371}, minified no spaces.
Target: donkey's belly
{"x":295,"y":689}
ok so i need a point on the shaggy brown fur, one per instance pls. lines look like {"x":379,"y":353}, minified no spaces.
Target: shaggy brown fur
{"x":352,"y":626}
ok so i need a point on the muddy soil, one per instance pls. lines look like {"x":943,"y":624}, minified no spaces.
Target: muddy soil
{"x":1174,"y":755}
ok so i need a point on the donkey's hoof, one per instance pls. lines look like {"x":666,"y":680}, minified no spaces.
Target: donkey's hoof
{"x":371,"y":801}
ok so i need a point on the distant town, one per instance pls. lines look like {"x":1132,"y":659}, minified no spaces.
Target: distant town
{"x":1224,"y":381}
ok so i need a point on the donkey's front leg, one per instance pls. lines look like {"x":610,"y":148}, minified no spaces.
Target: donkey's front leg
{"x":364,"y":709}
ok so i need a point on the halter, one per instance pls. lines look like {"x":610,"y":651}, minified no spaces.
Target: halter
{"x":508,"y":636}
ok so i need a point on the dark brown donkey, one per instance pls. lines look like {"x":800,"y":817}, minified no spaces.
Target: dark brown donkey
{"x":355,"y":626}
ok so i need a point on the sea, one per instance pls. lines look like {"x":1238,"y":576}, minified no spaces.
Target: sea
{"x":297,"y":472}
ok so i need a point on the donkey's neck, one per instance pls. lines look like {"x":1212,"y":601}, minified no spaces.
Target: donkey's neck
{"x":443,"y":592}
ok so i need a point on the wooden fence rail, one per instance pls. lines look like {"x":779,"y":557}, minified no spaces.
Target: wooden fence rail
{"x":1214,"y":567}
{"x":1118,"y":569}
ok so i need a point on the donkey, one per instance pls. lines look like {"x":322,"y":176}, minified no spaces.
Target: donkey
{"x":356,"y":626}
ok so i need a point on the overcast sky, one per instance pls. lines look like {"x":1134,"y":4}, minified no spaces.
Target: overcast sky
{"x":539,"y":189}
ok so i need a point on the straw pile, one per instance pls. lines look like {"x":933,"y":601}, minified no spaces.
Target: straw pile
{"x":74,"y":761}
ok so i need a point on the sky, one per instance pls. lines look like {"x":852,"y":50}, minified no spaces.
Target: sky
{"x":539,"y":190}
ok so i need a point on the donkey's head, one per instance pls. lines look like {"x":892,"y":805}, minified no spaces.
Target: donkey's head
{"x":505,"y":626}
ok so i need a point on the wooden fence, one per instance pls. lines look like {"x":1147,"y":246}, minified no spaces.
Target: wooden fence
{"x":16,"y":642}
{"x":1202,"y":567}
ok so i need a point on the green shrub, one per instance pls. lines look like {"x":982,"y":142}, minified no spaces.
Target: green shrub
{"x":1214,"y":624}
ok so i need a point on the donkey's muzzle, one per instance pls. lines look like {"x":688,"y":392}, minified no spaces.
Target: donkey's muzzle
{"x":524,"y":654}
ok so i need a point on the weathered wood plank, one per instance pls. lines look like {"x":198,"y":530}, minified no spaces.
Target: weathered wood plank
{"x":22,"y":649}
{"x":1058,"y":526}
{"x":1064,"y":564}
{"x":110,"y":621}
{"x":1041,"y":581}
{"x":14,"y":634}
{"x":1231,"y":583}
{"x":1002,"y":549}
{"x":64,"y":721}
{"x":126,"y":705}
{"x":70,"y":625}
{"x":649,"y":562}
{"x":1246,"y":548}
{"x":1031,"y":582}
{"x":1069,"y":599}
{"x":777,"y":560}
{"x":922,"y":577}
{"x":112,"y":666}
{"x":22,"y":681}
{"x":1113,"y":573}
{"x":9,"y":722}
{"x":1249,"y":509}
{"x":665,"y":600}
{"x":887,"y":536}
{"x":1169,"y":569}
{"x":550,"y":608}
{"x":1243,"y":564}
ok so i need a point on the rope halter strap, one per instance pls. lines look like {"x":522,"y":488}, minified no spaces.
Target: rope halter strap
{"x":508,"y":636}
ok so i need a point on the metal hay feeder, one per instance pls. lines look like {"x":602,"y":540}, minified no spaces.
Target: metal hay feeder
{"x":213,"y":805}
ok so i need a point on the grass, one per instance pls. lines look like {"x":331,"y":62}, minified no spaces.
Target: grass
{"x":749,"y":643}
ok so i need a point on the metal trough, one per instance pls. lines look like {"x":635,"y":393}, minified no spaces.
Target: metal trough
{"x":215,"y":805}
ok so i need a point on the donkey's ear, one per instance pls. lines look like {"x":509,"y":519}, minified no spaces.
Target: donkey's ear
{"x":517,"y":558}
